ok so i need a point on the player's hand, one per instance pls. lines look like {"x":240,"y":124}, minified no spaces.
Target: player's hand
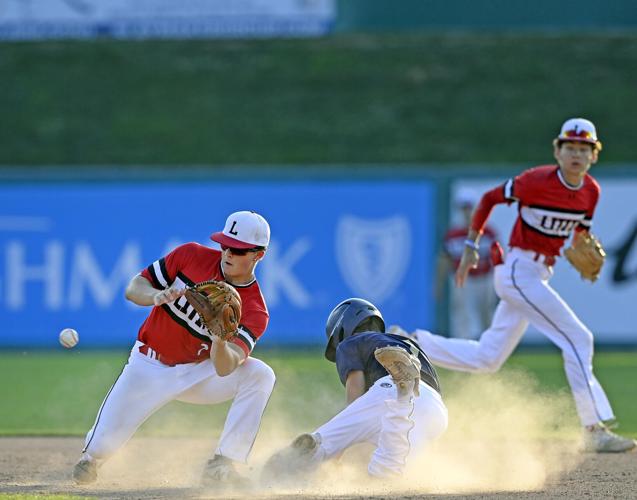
{"x":169,"y":295}
{"x":469,"y":261}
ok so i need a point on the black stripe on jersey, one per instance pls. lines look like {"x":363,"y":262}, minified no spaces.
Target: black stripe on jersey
{"x":560,"y":210}
{"x":181,"y":322}
{"x":244,"y":341}
{"x":252,"y":336}
{"x":185,"y":279}
{"x":247,"y":337}
{"x":156,"y":283}
{"x":164,"y":271}
{"x":557,"y":236}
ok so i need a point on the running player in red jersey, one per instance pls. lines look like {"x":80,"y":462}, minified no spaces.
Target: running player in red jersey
{"x":554,"y":201}
{"x":176,"y":358}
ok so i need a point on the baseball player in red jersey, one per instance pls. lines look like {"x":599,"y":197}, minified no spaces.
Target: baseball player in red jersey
{"x":472,"y":305}
{"x":176,"y":358}
{"x":554,"y":201}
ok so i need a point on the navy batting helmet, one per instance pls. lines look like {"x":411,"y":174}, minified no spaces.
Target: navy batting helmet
{"x":345,"y":320}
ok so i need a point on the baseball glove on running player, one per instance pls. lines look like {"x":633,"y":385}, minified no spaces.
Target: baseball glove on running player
{"x":587,"y":255}
{"x":218,"y":305}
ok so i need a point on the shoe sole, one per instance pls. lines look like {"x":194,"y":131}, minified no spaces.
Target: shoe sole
{"x":290,"y":463}
{"x":402,"y":366}
{"x":620,"y":449}
{"x":305,"y":443}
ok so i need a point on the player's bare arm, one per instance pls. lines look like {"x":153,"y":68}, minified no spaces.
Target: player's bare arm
{"x":354,"y":385}
{"x":470,"y":257}
{"x":226,"y":357}
{"x":141,"y":292}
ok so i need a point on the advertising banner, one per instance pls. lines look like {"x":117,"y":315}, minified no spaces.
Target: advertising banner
{"x":36,"y":19}
{"x":605,"y":306}
{"x":68,"y":250}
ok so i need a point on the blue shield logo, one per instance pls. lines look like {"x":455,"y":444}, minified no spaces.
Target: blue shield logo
{"x":373,"y":254}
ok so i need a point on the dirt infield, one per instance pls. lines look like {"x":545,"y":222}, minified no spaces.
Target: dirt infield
{"x":168,"y":468}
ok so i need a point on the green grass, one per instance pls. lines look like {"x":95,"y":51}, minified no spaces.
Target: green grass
{"x":343,"y":99}
{"x":60,"y":393}
{"x":616,"y":372}
{"x":47,"y":393}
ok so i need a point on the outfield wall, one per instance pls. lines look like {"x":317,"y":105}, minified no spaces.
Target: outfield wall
{"x":70,"y":242}
{"x":412,"y":15}
{"x":47,"y":19}
{"x":50,"y":19}
{"x":68,"y":249}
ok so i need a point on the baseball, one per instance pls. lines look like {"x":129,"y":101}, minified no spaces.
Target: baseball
{"x":69,"y":338}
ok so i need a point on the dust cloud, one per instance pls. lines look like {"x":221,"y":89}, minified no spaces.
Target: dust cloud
{"x":504,"y":435}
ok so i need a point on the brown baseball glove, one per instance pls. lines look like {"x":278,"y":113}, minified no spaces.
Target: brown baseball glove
{"x":587,"y":255}
{"x":218,"y":305}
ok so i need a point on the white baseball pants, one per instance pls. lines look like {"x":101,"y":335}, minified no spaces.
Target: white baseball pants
{"x":145,"y":385}
{"x":526,"y":297}
{"x":398,"y":429}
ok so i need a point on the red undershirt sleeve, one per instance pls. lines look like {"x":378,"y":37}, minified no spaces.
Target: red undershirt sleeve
{"x":489,"y":200}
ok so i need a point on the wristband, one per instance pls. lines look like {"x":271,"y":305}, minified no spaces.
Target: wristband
{"x":472,"y":244}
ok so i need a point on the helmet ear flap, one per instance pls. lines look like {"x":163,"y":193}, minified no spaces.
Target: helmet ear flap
{"x":341,"y":334}
{"x":332,"y":344}
{"x":345,"y":320}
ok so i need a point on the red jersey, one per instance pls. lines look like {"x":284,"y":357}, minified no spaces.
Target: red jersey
{"x":453,"y":245}
{"x":549,"y":208}
{"x":174,"y":330}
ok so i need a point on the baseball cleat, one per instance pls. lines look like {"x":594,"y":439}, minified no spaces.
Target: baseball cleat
{"x":305,"y":444}
{"x":290,"y":462}
{"x":85,"y":471}
{"x":403,"y":367}
{"x":600,"y":439}
{"x":220,"y":471}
